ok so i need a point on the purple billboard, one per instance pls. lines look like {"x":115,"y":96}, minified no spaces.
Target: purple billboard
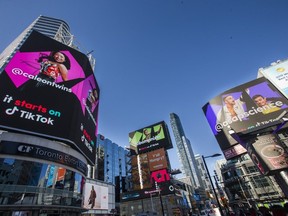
{"x":49,"y":89}
{"x":247,"y":108}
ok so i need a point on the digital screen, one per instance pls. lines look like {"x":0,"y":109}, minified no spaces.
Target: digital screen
{"x":268,"y":154}
{"x":95,"y":196}
{"x":278,"y":75}
{"x":149,"y":138}
{"x":157,"y":159}
{"x":49,"y":89}
{"x":234,"y":151}
{"x":247,"y":108}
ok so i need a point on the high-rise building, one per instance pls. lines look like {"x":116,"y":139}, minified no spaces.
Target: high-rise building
{"x":111,"y":166}
{"x":44,"y":145}
{"x":185,"y":152}
{"x":203,"y":173}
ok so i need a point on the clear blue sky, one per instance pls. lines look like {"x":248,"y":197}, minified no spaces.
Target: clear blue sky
{"x":155,"y":57}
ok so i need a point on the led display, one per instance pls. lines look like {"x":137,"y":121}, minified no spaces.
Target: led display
{"x":150,"y":138}
{"x":49,"y":89}
{"x":245,"y":109}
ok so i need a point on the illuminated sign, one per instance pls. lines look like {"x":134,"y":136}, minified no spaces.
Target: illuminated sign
{"x":43,"y":153}
{"x":49,"y":89}
{"x":278,"y":75}
{"x":234,"y":151}
{"x":149,"y":138}
{"x":268,"y":154}
{"x":247,"y":108}
{"x":157,"y":160}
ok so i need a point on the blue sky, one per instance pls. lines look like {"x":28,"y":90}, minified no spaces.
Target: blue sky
{"x":155,"y":57}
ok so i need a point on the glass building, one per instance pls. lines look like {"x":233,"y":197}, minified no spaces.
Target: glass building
{"x":112,"y":165}
{"x":185,"y":152}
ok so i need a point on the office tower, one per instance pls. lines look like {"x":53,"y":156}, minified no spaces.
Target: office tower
{"x":112,"y":165}
{"x":185,"y":152}
{"x":46,"y":136}
{"x":203,"y":173}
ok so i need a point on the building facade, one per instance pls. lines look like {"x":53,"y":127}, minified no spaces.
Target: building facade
{"x":246,"y":187}
{"x":44,"y":149}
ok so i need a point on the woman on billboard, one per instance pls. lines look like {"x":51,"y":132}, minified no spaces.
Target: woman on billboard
{"x":55,"y":65}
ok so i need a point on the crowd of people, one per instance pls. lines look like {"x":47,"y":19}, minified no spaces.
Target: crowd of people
{"x":274,"y":210}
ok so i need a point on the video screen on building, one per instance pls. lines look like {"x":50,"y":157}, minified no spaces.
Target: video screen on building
{"x":278,"y":75}
{"x":95,"y":196}
{"x":165,"y":188}
{"x":157,"y":160}
{"x":268,"y":154}
{"x":149,"y":138}
{"x":49,"y":89}
{"x":247,"y":108}
{"x":234,"y":151}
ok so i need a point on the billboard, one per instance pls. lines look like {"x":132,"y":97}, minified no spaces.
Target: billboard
{"x":43,"y":153}
{"x":157,"y":160}
{"x":234,"y":151}
{"x":165,"y":188}
{"x":95,"y":197}
{"x":268,"y":154}
{"x":278,"y":75}
{"x":49,"y":89}
{"x":247,"y":108}
{"x":150,"y":138}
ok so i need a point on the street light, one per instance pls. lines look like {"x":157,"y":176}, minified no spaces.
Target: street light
{"x":214,"y":155}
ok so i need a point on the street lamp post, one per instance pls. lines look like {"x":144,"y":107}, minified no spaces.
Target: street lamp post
{"x":214,"y":155}
{"x":160,"y":197}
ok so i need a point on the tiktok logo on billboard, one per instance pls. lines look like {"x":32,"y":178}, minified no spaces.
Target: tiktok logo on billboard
{"x":29,"y":111}
{"x":86,"y":138}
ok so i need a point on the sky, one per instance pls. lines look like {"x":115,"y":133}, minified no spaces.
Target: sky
{"x":155,"y":57}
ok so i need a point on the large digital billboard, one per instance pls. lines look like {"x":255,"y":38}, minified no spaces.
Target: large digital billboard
{"x":165,"y":188}
{"x":95,"y":196}
{"x":278,"y":75}
{"x":247,"y":108}
{"x":268,"y":154}
{"x":49,"y":89}
{"x":150,"y":138}
{"x":157,"y":160}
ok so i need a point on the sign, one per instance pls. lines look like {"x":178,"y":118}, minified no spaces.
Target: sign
{"x":150,"y":138}
{"x":247,"y":108}
{"x":43,"y":153}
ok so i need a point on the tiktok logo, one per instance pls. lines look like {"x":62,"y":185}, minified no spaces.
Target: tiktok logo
{"x":11,"y":111}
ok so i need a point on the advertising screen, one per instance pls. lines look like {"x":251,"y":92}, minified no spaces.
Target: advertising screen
{"x":95,"y":196}
{"x":268,"y":154}
{"x":49,"y":89}
{"x":157,"y":159}
{"x":234,"y":151}
{"x":165,"y":188}
{"x":247,"y":108}
{"x":149,"y":138}
{"x":278,"y":75}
